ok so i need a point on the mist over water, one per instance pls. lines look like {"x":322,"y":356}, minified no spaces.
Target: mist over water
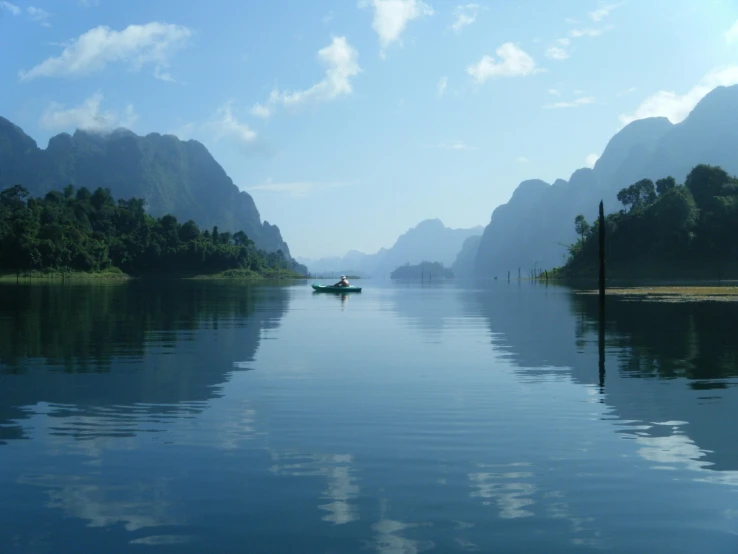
{"x":452,"y":417}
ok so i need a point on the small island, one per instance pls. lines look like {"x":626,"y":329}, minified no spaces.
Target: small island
{"x":422,"y":271}
{"x":88,"y":234}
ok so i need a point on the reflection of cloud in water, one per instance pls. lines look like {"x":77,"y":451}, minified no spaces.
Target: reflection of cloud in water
{"x":136,"y":505}
{"x":678,"y":450}
{"x":511,"y":496}
{"x":336,"y":468}
{"x":513,"y":493}
{"x":161,"y":540}
{"x":238,"y":428}
{"x":388,"y":539}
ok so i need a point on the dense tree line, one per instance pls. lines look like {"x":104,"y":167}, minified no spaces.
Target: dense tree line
{"x":665,"y":225}
{"x":423,"y":270}
{"x":89,"y":231}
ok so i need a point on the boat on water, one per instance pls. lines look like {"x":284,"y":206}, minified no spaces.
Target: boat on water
{"x":331,"y":288}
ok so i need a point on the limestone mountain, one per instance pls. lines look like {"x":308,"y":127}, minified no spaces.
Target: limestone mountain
{"x":173,"y":176}
{"x":429,"y":241}
{"x":533,"y":228}
{"x":463,"y":265}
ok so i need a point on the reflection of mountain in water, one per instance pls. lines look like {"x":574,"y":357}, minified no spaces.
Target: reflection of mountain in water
{"x":666,"y":364}
{"x":84,"y":340}
{"x":427,"y":307}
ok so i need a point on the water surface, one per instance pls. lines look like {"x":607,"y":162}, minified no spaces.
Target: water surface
{"x":220,"y":417}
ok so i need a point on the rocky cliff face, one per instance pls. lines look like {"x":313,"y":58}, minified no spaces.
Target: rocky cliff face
{"x":173,"y":176}
{"x":537,"y":223}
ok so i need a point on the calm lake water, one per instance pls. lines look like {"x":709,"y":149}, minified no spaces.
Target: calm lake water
{"x":220,"y":417}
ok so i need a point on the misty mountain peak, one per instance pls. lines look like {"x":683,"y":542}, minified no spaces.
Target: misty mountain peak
{"x":639,"y":132}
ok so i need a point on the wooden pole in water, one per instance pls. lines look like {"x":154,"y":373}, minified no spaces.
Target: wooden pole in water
{"x":601,"y":335}
{"x":602,"y":256}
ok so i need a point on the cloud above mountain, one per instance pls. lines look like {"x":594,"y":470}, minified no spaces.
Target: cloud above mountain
{"x":676,"y":107}
{"x":136,"y":46}
{"x":341,"y":61}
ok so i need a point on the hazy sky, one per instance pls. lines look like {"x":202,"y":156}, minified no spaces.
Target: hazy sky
{"x":350,"y":122}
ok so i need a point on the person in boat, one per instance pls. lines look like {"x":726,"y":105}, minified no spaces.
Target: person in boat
{"x":343,"y":282}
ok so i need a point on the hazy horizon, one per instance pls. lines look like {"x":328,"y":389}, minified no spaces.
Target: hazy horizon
{"x":349,"y":123}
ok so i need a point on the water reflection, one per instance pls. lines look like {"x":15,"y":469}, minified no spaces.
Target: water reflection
{"x":501,"y":436}
{"x":163,"y":347}
{"x":134,"y":504}
{"x":510,"y":490}
{"x":341,"y":483}
{"x":389,"y":535}
{"x":664,"y":361}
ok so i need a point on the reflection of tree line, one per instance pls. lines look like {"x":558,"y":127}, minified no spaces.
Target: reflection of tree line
{"x":84,"y":327}
{"x":666,"y":339}
{"x":182,"y":337}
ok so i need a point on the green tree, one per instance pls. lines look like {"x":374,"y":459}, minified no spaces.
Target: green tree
{"x":638,"y":195}
{"x":666,"y":184}
{"x":706,"y":182}
{"x":581,"y":226}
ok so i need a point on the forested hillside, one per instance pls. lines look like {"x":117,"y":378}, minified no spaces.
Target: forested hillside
{"x":89,"y":231}
{"x":666,"y":229}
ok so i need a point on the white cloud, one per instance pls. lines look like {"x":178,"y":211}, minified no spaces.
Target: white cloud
{"x":676,"y":107}
{"x":295,"y":189}
{"x":556,"y":53}
{"x":512,"y":62}
{"x":260,"y":110}
{"x":442,"y":84}
{"x":184,"y":132}
{"x":560,"y":50}
{"x":554,"y":92}
{"x":12,"y":8}
{"x":341,"y":61}
{"x":522,"y":160}
{"x":731,"y":35}
{"x":87,"y":116}
{"x":136,"y":46}
{"x":591,"y":160}
{"x":626,"y":91}
{"x":392,"y":16}
{"x":453,"y":145}
{"x":226,"y":125}
{"x":38,"y":15}
{"x":465,"y":14}
{"x":589,"y":31}
{"x":601,"y":13}
{"x":583,"y":101}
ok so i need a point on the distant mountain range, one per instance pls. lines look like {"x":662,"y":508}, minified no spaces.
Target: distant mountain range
{"x":429,"y":241}
{"x":173,"y":176}
{"x":534,"y":226}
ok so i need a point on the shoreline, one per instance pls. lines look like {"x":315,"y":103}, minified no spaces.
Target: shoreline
{"x":117,"y":275}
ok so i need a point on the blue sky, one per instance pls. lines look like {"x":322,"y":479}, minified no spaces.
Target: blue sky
{"x":350,"y":122}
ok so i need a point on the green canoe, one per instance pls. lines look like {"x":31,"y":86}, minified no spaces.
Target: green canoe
{"x":331,"y":288}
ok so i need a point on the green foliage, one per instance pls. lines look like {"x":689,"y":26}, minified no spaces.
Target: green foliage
{"x":666,"y":184}
{"x":581,"y":226}
{"x":86,"y":231}
{"x":638,"y":195}
{"x":423,"y":270}
{"x":681,"y":228}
